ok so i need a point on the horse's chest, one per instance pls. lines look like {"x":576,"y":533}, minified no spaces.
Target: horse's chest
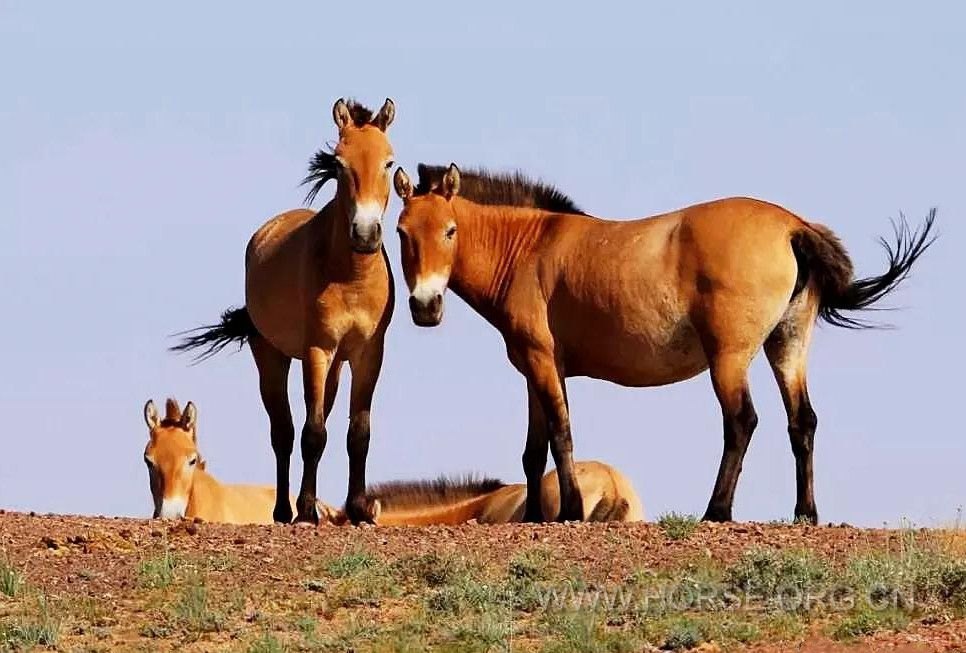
{"x":347,"y":312}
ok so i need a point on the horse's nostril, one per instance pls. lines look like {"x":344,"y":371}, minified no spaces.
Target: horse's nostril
{"x":355,"y":230}
{"x":377,"y":230}
{"x":436,"y":302}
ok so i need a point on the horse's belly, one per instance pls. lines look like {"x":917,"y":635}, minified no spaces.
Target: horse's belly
{"x":638,"y":357}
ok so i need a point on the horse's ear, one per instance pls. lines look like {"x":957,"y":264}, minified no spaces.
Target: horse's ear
{"x":403,"y":184}
{"x":341,"y":115}
{"x":451,"y":182}
{"x":151,"y":415}
{"x":189,"y":419}
{"x":386,"y":115}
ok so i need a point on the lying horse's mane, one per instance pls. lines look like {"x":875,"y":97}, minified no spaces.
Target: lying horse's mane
{"x":441,"y":491}
{"x":498,"y":188}
{"x":322,"y":165}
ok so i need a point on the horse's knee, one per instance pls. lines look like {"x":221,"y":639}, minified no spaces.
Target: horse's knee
{"x":283,"y":439}
{"x":740,"y":423}
{"x":314,"y":437}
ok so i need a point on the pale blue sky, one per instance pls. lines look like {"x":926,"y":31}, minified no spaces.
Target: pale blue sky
{"x":141,"y":146}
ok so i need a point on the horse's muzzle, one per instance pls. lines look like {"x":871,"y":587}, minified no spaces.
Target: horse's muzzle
{"x":427,"y":313}
{"x":366,"y":239}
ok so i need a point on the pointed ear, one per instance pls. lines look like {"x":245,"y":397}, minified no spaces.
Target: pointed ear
{"x":451,"y":182}
{"x":386,"y":115}
{"x":341,"y":115}
{"x":403,"y":184}
{"x":151,"y":415}
{"x":189,"y":419}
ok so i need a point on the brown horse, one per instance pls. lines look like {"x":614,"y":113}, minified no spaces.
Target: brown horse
{"x":318,"y":289}
{"x":640,"y":303}
{"x":180,"y":483}
{"x":607,"y":495}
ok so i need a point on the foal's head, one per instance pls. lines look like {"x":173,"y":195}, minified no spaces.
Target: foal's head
{"x":427,"y":234}
{"x":360,"y":163}
{"x":171,"y":456}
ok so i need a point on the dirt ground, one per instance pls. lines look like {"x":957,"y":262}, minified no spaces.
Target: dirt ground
{"x":103,"y":583}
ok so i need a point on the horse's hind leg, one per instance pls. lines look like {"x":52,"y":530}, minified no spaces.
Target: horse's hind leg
{"x":787,"y":350}
{"x":729,"y":375}
{"x":273,"y":367}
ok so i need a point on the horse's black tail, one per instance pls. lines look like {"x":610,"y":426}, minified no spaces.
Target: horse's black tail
{"x":824,"y":257}
{"x":235,"y":326}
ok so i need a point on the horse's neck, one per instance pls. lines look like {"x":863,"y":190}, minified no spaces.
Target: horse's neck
{"x":206,"y":497}
{"x":491,"y":242}
{"x":329,"y":231}
{"x":451,"y":513}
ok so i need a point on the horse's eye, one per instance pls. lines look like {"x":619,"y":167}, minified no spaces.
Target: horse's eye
{"x":390,"y":164}
{"x":193,"y":462}
{"x":451,"y":231}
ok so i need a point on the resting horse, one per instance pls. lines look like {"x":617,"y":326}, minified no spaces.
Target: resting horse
{"x":638,"y":302}
{"x":180,"y":483}
{"x":607,"y":496}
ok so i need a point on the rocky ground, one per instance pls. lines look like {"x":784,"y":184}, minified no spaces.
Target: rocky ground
{"x":97,"y":584}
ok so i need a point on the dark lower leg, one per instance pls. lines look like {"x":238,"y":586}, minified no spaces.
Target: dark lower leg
{"x":314,"y":438}
{"x":357,"y":505}
{"x":283,"y":441}
{"x":273,"y":368}
{"x":535,"y":461}
{"x":561,"y":446}
{"x":801,"y":432}
{"x":739,"y":424}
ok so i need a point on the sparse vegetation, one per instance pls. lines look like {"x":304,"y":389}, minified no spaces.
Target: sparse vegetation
{"x":677,"y":527}
{"x":193,"y":611}
{"x":38,"y":627}
{"x":157,"y":572}
{"x":539,"y":591}
{"x":10,"y":579}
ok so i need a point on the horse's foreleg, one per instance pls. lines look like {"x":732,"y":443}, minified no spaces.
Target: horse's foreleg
{"x":729,"y":375}
{"x":365,"y":374}
{"x":316,"y":366}
{"x":547,"y":383}
{"x":273,"y":367}
{"x":535,"y":457}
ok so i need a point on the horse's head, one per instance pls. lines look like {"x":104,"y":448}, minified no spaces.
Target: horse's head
{"x":360,"y":162}
{"x":427,"y":235}
{"x":171,"y":456}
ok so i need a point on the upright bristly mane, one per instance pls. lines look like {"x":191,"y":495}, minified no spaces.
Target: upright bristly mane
{"x":322,"y":165}
{"x":442,"y":491}
{"x":500,"y":188}
{"x":172,"y":413}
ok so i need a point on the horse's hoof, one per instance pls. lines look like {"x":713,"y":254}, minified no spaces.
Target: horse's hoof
{"x":282,"y":515}
{"x":717,"y":515}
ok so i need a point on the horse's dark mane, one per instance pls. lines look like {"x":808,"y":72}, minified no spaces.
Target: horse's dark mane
{"x":322,"y":165}
{"x":443,"y":490}
{"x":498,"y":188}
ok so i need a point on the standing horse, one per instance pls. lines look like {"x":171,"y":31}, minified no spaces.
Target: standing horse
{"x":640,"y":303}
{"x":318,"y":289}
